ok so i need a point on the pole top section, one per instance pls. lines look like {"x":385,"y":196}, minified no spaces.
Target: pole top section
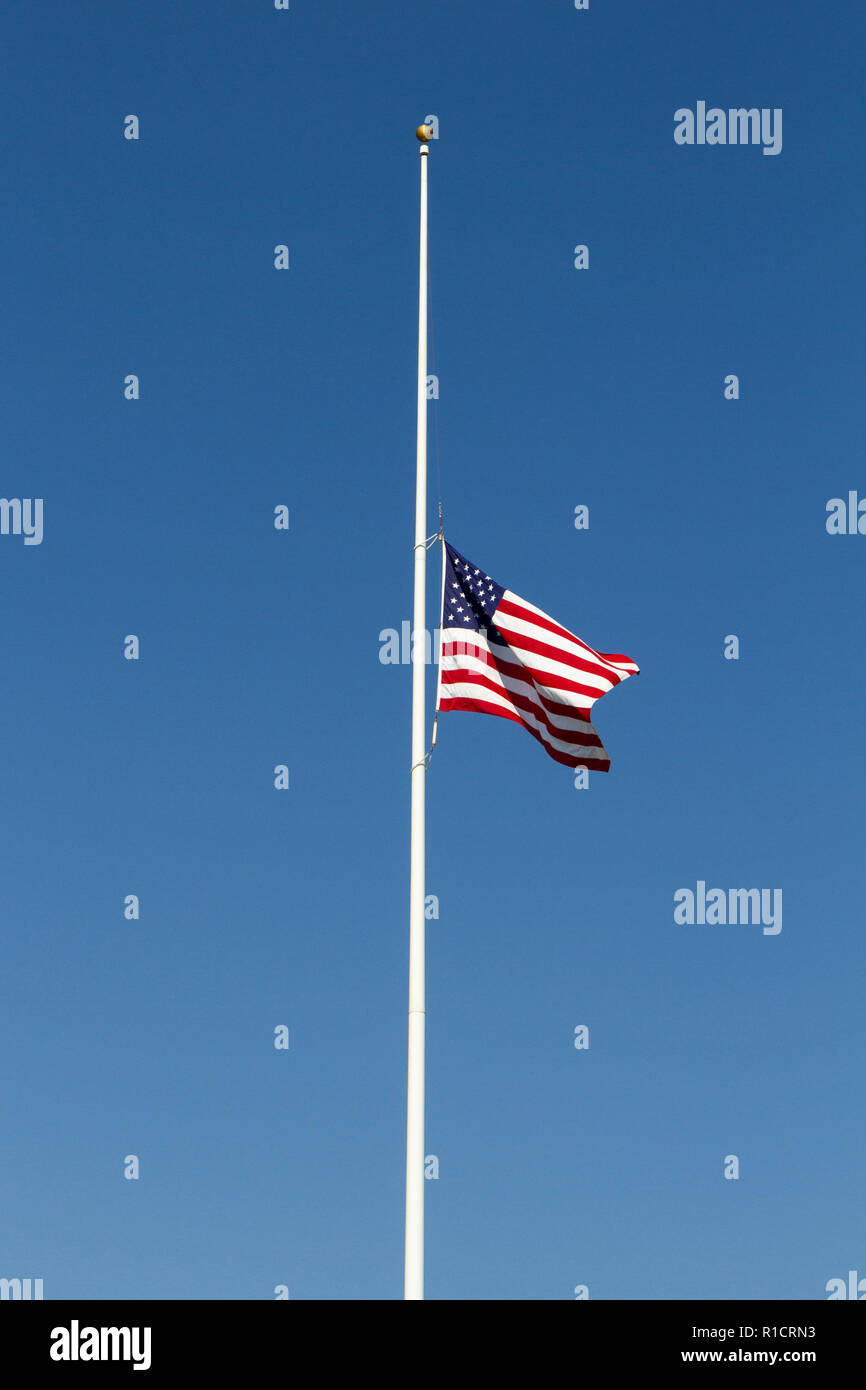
{"x":424,"y":133}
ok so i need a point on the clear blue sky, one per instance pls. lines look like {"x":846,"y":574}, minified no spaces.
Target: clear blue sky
{"x":558,"y":1167}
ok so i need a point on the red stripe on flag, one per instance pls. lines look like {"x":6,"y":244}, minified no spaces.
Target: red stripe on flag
{"x":483,"y":707}
{"x":464,"y":676}
{"x":519,"y":670}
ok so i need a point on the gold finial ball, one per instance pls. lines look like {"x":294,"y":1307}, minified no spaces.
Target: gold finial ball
{"x":424,"y":133}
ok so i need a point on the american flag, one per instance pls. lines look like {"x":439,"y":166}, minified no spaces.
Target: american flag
{"x":501,"y":655}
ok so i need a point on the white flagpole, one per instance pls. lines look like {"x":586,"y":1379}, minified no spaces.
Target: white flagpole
{"x":414,"y":1262}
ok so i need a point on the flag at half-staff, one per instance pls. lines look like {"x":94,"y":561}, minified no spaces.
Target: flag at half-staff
{"x":501,"y":655}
